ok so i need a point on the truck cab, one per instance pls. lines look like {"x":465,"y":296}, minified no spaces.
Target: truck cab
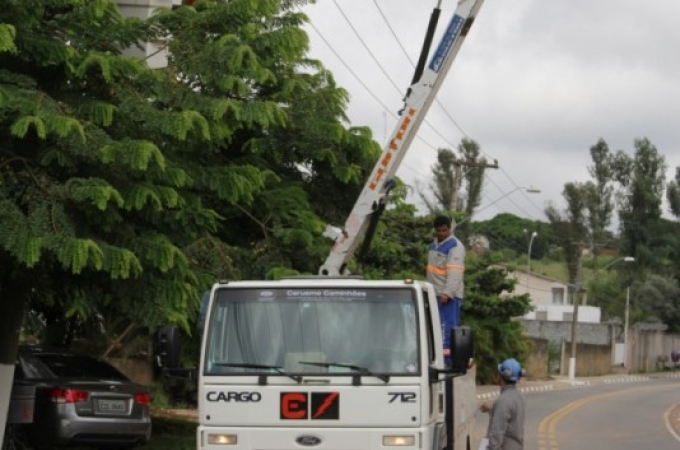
{"x":331,"y":363}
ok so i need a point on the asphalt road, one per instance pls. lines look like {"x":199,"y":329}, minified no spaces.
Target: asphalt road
{"x":605,"y":416}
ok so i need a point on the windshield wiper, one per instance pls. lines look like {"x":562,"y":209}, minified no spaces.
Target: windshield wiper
{"x":357,"y":380}
{"x":263,"y":378}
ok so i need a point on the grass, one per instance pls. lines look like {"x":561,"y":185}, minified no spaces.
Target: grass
{"x":550,"y":269}
{"x":557,"y":270}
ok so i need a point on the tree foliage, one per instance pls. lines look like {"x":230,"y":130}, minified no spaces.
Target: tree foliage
{"x":642,"y":180}
{"x":599,"y":195}
{"x":489,"y":313}
{"x":569,"y":227}
{"x":125,"y":192}
{"x":449,"y":173}
{"x":637,"y":184}
{"x":91,"y":197}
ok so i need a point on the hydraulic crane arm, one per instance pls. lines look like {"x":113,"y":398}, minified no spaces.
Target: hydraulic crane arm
{"x":419,"y":97}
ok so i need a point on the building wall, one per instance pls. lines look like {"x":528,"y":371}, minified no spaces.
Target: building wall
{"x":591,"y":360}
{"x":540,"y":289}
{"x":650,"y":349}
{"x":537,"y":364}
{"x":590,"y":333}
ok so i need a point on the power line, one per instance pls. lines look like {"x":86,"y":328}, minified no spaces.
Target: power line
{"x":387,"y":75}
{"x":385,"y":108}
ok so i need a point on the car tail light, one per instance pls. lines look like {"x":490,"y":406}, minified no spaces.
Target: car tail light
{"x":60,"y":395}
{"x":143,"y":398}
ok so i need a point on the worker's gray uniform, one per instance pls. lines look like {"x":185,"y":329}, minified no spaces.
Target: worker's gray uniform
{"x":506,"y":420}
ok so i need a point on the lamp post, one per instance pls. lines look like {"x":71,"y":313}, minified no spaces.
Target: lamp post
{"x":574,"y":319}
{"x":625,"y":329}
{"x":531,"y":241}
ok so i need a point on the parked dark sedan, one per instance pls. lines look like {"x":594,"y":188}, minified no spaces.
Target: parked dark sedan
{"x":77,"y":400}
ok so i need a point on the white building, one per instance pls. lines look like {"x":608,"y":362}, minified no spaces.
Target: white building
{"x":551,"y":299}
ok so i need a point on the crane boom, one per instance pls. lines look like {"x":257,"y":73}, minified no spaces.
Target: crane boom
{"x":419,"y":97}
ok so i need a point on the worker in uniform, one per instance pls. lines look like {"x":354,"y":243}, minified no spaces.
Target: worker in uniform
{"x":506,"y":415}
{"x":445,"y":269}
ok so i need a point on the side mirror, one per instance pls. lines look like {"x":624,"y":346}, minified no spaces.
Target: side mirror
{"x":168,"y":350}
{"x":462,"y":349}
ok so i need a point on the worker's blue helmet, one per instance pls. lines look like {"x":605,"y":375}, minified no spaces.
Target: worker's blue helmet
{"x":510,"y":370}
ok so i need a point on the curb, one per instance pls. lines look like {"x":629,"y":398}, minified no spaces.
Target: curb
{"x":524,"y":390}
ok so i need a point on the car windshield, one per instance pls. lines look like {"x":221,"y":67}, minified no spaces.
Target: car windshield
{"x":307,"y":331}
{"x":78,"y":366}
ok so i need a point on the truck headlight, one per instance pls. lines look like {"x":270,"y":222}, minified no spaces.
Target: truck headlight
{"x":399,"y":441}
{"x":222,"y":439}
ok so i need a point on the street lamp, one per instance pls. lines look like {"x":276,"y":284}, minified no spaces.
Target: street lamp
{"x":574,"y":319}
{"x":529,"y":190}
{"x":531,"y":241}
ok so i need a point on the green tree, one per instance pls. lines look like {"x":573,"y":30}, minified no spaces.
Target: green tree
{"x":283,"y":161}
{"x":473,"y":175}
{"x":642,"y":180}
{"x":127,"y":191}
{"x":445,"y":183}
{"x":449,"y":172}
{"x":673,"y":194}
{"x":489,"y":313}
{"x":599,"y":196}
{"x":657,"y":297}
{"x":92,"y":198}
{"x":569,"y":227}
{"x":507,"y":231}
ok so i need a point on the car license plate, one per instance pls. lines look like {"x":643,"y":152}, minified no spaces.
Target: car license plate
{"x":112,"y":406}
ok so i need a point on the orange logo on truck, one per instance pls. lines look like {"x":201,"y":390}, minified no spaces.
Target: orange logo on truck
{"x":314,"y":405}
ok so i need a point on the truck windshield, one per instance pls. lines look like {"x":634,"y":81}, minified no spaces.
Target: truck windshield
{"x":289,"y":328}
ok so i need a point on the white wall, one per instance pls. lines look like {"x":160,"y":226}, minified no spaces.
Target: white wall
{"x":563,"y":313}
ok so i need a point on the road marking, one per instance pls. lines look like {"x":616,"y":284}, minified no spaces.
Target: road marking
{"x":667,"y":418}
{"x":548,"y":426}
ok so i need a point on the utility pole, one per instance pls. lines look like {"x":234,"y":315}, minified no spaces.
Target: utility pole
{"x":574,"y":319}
{"x":459,"y":164}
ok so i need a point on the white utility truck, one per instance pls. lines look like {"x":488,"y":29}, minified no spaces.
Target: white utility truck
{"x":334,"y":361}
{"x":331,"y":363}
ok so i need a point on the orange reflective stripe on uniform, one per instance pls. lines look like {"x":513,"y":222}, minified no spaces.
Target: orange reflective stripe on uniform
{"x":455,"y":268}
{"x":437,"y":270}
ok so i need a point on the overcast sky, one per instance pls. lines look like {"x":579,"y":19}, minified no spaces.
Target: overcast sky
{"x":536,"y":84}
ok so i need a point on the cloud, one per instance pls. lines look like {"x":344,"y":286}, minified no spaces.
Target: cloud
{"x":536,"y":84}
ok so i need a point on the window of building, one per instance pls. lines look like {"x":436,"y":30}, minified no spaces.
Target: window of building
{"x":558,"y":296}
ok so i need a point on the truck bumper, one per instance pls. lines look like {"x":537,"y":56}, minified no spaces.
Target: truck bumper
{"x":266,"y":438}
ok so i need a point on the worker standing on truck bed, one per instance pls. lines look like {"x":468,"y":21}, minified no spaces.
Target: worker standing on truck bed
{"x":445,"y":268}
